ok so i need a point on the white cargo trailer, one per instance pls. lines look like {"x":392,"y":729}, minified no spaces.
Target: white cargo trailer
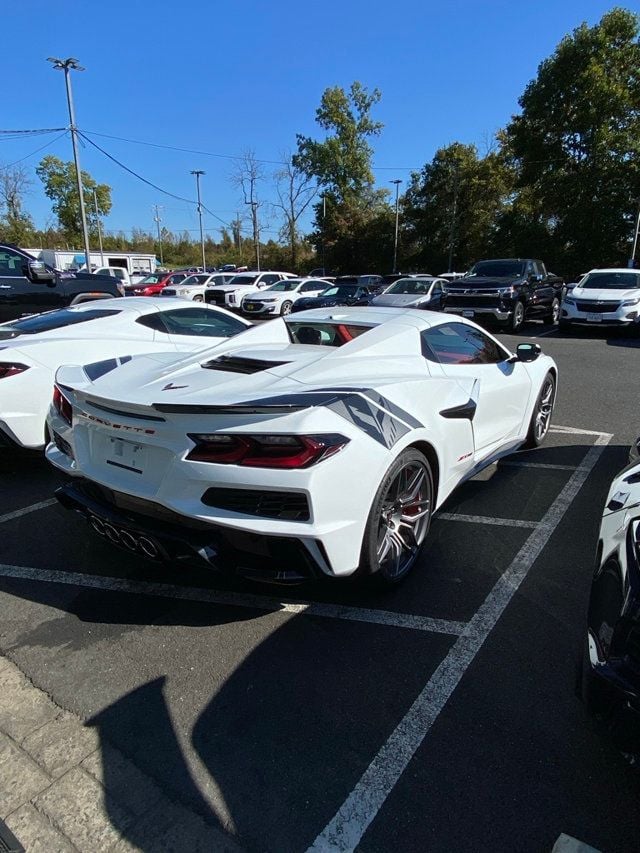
{"x":71,"y":259}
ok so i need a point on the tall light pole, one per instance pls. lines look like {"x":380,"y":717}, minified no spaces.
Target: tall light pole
{"x":197,"y":173}
{"x":157,"y":220}
{"x":68,"y":65}
{"x":397,"y":182}
{"x":95,"y":205}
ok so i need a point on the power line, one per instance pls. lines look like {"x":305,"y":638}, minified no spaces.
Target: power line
{"x":150,"y":183}
{"x":135,"y":174}
{"x":184,"y":150}
{"x":20,"y":134}
{"x":37,"y":151}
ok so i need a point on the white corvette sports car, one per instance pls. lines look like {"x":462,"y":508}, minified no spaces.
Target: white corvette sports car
{"x":313,"y":445}
{"x":32,"y":349}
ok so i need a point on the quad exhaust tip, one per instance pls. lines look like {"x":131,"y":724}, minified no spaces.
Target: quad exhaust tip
{"x":127,"y":538}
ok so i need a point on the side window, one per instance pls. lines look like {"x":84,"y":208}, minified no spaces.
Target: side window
{"x":437,"y":289}
{"x":311,"y":286}
{"x":530,"y":268}
{"x":456,"y":343}
{"x":153,"y":321}
{"x":270,"y":279}
{"x":176,"y":279}
{"x":193,"y":321}
{"x":11,"y":263}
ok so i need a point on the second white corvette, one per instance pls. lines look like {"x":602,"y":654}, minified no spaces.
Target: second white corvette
{"x":107,"y":332}
{"x":314,"y":445}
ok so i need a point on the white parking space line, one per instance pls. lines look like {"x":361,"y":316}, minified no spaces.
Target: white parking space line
{"x":576,"y":431}
{"x":485,"y":519}
{"x":236,"y":599}
{"x":345,"y":831}
{"x":18,"y":513}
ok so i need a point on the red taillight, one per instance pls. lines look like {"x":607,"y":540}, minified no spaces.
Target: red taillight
{"x":62,"y":405}
{"x":265,"y":451}
{"x":11,"y":368}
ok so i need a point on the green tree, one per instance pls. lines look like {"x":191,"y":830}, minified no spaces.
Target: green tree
{"x":576,"y":146}
{"x":452,"y":206}
{"x":60,"y":185}
{"x":341,"y":166}
{"x":342,"y":161}
{"x":16,"y":226}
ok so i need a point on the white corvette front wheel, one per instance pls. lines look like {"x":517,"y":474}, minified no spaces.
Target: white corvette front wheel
{"x":399,"y":519}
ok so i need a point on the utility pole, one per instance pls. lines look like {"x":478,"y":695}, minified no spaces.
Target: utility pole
{"x":99,"y":226}
{"x":68,"y":65}
{"x":256,"y":233}
{"x":157,"y":220}
{"x":238,"y":227}
{"x":397,"y":182}
{"x":198,"y":173}
{"x":324,"y":214}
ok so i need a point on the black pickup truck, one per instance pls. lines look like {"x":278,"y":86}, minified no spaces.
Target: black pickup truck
{"x":28,"y":286}
{"x":508,"y":290}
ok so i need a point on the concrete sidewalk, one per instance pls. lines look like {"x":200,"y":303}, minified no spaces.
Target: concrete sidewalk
{"x":54,"y":796}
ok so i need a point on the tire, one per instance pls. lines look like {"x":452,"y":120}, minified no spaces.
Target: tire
{"x":393,"y":538}
{"x":593,"y":691}
{"x":517,"y":317}
{"x":542,"y":412}
{"x":554,"y":313}
{"x":285,"y":308}
{"x":198,"y":298}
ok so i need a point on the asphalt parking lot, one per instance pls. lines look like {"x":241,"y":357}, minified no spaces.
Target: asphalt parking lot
{"x":440,"y":716}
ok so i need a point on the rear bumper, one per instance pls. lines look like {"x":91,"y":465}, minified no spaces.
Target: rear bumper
{"x":150,"y":530}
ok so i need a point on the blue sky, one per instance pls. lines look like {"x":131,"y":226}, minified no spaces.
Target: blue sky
{"x":224,"y":77}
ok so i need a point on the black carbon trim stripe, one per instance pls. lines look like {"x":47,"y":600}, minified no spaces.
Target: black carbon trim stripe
{"x":365,"y":408}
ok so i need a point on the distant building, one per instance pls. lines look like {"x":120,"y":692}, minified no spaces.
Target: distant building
{"x":73,"y":259}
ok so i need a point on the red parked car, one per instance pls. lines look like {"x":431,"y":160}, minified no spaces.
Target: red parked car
{"x":154,"y":283}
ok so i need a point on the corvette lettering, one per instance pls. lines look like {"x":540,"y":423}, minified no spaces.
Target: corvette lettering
{"x":123,"y":427}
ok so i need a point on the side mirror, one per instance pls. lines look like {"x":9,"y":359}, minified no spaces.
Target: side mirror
{"x":527,"y":352}
{"x":37,"y":271}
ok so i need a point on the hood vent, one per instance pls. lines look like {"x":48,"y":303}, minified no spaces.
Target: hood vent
{"x":237,"y":364}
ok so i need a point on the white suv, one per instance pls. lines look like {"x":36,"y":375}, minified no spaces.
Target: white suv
{"x":230,"y":295}
{"x":604,"y":297}
{"x":196,"y":285}
{"x":279,"y":298}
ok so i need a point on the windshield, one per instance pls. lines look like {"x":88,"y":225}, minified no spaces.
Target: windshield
{"x":497,"y":269}
{"x":53,"y":320}
{"x":342,"y":291}
{"x":285,"y":286}
{"x":152,"y":279}
{"x":622,"y":280}
{"x":244,"y":279}
{"x":195,"y":279}
{"x":410,"y":285}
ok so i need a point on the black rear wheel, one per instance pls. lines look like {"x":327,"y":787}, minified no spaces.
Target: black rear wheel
{"x":554,"y":312}
{"x":517,"y":317}
{"x":399,"y":519}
